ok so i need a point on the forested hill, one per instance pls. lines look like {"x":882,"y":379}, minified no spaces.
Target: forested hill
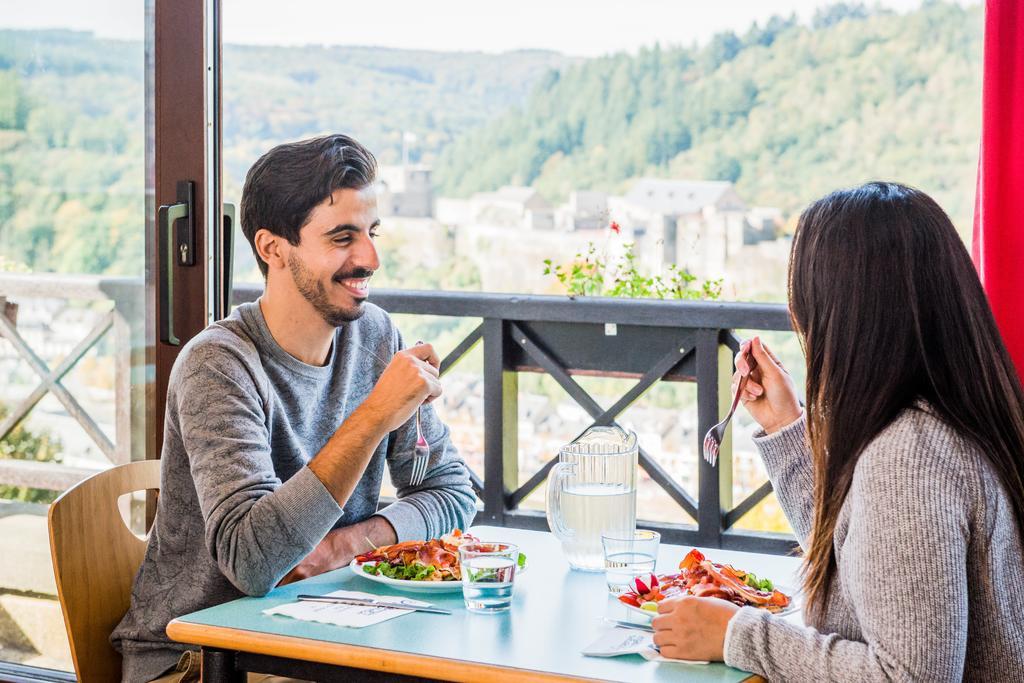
{"x":786,"y":110}
{"x":72,"y":144}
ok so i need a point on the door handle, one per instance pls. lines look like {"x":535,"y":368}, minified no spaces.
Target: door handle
{"x":227,"y":257}
{"x":177,"y":247}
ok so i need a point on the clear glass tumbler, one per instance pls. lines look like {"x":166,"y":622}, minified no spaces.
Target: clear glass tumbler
{"x":488,"y":575}
{"x":627,"y":556}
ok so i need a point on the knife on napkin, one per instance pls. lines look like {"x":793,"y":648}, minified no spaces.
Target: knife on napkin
{"x":366,"y":602}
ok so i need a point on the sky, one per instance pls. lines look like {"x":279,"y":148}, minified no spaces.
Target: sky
{"x":576,"y":27}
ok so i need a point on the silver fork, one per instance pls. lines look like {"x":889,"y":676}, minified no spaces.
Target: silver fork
{"x":713,"y":439}
{"x":420,"y":455}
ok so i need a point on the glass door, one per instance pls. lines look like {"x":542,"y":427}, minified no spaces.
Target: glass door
{"x":102,"y":123}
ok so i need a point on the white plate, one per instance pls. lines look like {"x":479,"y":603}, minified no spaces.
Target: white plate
{"x":405,"y":584}
{"x":414,"y":586}
{"x":794,"y":605}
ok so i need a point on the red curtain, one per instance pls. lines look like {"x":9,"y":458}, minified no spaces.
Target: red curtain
{"x":998,"y":247}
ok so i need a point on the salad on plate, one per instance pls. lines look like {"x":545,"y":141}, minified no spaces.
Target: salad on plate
{"x":703,"y":578}
{"x":435,"y":560}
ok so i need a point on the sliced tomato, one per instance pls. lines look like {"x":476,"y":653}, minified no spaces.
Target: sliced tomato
{"x":692,"y":559}
{"x":630,"y":599}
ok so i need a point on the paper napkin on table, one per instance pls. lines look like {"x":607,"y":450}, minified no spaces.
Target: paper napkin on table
{"x":626,"y":641}
{"x":353,"y":616}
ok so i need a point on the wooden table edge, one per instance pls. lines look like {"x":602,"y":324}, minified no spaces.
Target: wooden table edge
{"x":359,"y":656}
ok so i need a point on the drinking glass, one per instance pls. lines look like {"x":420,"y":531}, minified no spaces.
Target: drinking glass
{"x":488,"y":575}
{"x":627,"y":556}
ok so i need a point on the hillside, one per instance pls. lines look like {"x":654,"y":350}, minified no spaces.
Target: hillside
{"x":71,"y":126}
{"x":287,"y":93}
{"x":787,"y":111}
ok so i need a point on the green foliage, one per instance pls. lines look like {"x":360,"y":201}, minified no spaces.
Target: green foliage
{"x":278,"y":94}
{"x":13,"y":104}
{"x":787,"y":111}
{"x":72,"y":128}
{"x":831,"y":15}
{"x":597,"y":274}
{"x":23,"y":444}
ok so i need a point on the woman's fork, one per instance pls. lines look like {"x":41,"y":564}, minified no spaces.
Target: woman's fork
{"x":713,"y":439}
{"x":420,"y":456}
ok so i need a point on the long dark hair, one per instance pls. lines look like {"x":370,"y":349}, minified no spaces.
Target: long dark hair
{"x":889,"y":309}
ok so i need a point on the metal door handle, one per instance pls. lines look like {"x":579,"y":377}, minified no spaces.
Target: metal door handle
{"x":177,"y":247}
{"x":227,"y":257}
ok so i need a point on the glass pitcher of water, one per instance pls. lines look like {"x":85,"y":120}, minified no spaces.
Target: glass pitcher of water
{"x":591,"y":491}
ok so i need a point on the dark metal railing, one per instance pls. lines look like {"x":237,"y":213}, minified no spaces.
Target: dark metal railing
{"x":649,"y":340}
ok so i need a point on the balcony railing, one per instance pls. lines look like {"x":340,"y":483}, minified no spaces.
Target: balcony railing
{"x":643,"y":339}
{"x":647,"y":340}
{"x":123,"y":319}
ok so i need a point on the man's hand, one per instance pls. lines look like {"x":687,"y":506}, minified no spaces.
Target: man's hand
{"x":693,"y":628}
{"x":411,"y":379}
{"x":340,"y":546}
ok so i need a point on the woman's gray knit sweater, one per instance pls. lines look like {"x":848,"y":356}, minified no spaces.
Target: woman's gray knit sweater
{"x":930,"y":580}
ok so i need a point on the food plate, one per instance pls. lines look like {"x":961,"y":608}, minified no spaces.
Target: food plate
{"x":794,"y":605}
{"x":414,"y":586}
{"x":406,"y":584}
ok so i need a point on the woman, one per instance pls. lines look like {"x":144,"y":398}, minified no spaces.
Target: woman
{"x":903,"y":479}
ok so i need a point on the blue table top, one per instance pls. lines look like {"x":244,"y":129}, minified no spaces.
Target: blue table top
{"x":555,"y":613}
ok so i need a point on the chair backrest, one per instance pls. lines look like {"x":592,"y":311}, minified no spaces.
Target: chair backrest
{"x":95,"y":559}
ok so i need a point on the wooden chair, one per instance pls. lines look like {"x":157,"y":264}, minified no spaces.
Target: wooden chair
{"x":95,"y":558}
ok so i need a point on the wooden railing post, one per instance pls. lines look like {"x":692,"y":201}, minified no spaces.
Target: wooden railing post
{"x":122,"y":384}
{"x":709,"y":499}
{"x":501,"y":428}
{"x":9,"y":310}
{"x":724,"y":387}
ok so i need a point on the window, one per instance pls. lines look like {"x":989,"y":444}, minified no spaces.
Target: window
{"x":73,"y":187}
{"x":702,"y":132}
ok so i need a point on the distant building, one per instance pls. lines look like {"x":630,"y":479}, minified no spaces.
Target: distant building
{"x":405,"y":191}
{"x":704,"y":226}
{"x":511,"y":206}
{"x":586,"y":210}
{"x":763,"y":223}
{"x":699,"y":224}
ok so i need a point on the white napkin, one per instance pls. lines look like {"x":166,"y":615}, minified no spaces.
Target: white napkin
{"x":353,"y":616}
{"x":626,"y":641}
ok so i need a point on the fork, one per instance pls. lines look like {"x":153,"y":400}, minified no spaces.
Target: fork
{"x":420,"y":455}
{"x":713,"y":439}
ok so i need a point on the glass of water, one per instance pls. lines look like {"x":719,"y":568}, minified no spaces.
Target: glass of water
{"x":488,"y":575}
{"x":627,"y":556}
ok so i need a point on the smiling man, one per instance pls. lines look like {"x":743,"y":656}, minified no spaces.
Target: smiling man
{"x":281,"y":418}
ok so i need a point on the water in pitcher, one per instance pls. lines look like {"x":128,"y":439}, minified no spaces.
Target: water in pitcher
{"x":591,"y":510}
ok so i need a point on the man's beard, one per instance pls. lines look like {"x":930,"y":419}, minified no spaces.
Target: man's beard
{"x":313,"y":291}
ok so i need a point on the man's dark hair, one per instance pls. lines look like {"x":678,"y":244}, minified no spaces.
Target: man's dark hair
{"x":285,"y":184}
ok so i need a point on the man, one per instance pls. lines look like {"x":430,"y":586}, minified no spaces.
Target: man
{"x":281,"y":417}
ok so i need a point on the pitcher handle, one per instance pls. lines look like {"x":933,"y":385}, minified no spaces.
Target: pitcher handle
{"x":554,"y":507}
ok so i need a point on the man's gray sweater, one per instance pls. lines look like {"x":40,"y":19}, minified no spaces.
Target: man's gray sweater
{"x":238,"y":508}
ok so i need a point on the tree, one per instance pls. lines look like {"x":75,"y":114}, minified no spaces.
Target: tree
{"x":824,"y":17}
{"x":723,"y":167}
{"x":723,"y":48}
{"x":24,"y":444}
{"x":13,"y":103}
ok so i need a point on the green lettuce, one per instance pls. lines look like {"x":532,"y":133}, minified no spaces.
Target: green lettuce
{"x":414,"y":572}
